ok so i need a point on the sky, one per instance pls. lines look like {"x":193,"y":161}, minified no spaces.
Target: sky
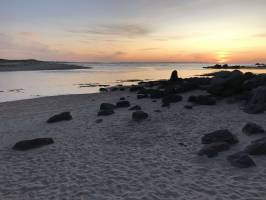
{"x":217,"y":31}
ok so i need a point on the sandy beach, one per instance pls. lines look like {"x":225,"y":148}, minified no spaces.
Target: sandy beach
{"x":120,"y":158}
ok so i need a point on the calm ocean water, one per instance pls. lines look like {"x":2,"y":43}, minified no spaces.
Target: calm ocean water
{"x":32,"y":84}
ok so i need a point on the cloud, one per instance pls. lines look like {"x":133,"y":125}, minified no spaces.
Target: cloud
{"x":126,"y":30}
{"x":261,"y":35}
{"x":149,"y":49}
{"x":29,"y":34}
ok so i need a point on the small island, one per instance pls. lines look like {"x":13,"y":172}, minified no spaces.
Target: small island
{"x":35,"y":65}
{"x":226,"y":66}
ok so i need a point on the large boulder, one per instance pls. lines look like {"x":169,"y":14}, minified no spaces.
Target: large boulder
{"x":107,"y":106}
{"x":202,"y":100}
{"x":106,"y":109}
{"x":257,"y":102}
{"x":254,"y":81}
{"x":252,"y":128}
{"x":228,"y":84}
{"x":139,"y":115}
{"x":257,"y":147}
{"x":64,"y":116}
{"x":213,"y":149}
{"x":174,"y":76}
{"x":241,"y":160}
{"x":31,"y":144}
{"x":122,"y":104}
{"x":219,"y":136}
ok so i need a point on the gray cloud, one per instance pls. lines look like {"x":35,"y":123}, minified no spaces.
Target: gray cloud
{"x":126,"y":30}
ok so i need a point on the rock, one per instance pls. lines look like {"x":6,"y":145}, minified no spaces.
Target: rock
{"x":219,"y":136}
{"x":113,"y":89}
{"x":122,"y":98}
{"x":31,"y":144}
{"x":139,"y":115}
{"x":241,"y":160}
{"x":122,"y":104}
{"x":135,"y":88}
{"x":142,"y":96}
{"x":252,"y":128}
{"x":202,"y":100}
{"x":157,"y":111}
{"x":99,"y":121}
{"x":106,"y":112}
{"x":107,"y":106}
{"x":257,"y":147}
{"x":188,"y":107}
{"x":257,"y":102}
{"x":103,"y":90}
{"x":64,"y":116}
{"x":174,"y":76}
{"x":213,"y":149}
{"x":254,"y":81}
{"x":228,"y":84}
{"x":171,"y":98}
{"x":137,"y":107}
{"x":156,"y":94}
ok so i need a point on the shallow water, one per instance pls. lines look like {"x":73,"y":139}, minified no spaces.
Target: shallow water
{"x":32,"y":84}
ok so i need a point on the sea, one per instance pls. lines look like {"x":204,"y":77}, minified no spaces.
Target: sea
{"x":33,"y":84}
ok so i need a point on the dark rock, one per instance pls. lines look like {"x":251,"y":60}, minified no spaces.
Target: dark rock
{"x":172,"y":98}
{"x":142,"y":96}
{"x":107,"y":106}
{"x":174,"y":76}
{"x":241,"y":160}
{"x":137,"y":107}
{"x":156,"y":94}
{"x":114,"y":89}
{"x":154,"y":101}
{"x":213,"y":149}
{"x":122,"y":98}
{"x":252,"y":128}
{"x":202,"y":100}
{"x":135,"y":88}
{"x":106,"y":112}
{"x":254,"y":81}
{"x":64,"y":116}
{"x":158,"y":111}
{"x":228,"y":84}
{"x":103,"y":90}
{"x":31,"y":144}
{"x":122,"y":104}
{"x":188,"y":107}
{"x":257,"y":147}
{"x":99,"y":121}
{"x":257,"y":102}
{"x":139,"y":115}
{"x":219,"y":136}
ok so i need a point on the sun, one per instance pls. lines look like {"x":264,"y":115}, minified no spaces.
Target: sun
{"x":222,"y":57}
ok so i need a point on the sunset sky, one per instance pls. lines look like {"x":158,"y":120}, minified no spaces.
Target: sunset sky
{"x":232,"y":31}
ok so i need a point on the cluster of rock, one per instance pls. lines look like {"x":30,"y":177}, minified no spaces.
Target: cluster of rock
{"x":222,"y":140}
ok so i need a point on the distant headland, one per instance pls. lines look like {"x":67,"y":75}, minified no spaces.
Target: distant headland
{"x":35,"y":65}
